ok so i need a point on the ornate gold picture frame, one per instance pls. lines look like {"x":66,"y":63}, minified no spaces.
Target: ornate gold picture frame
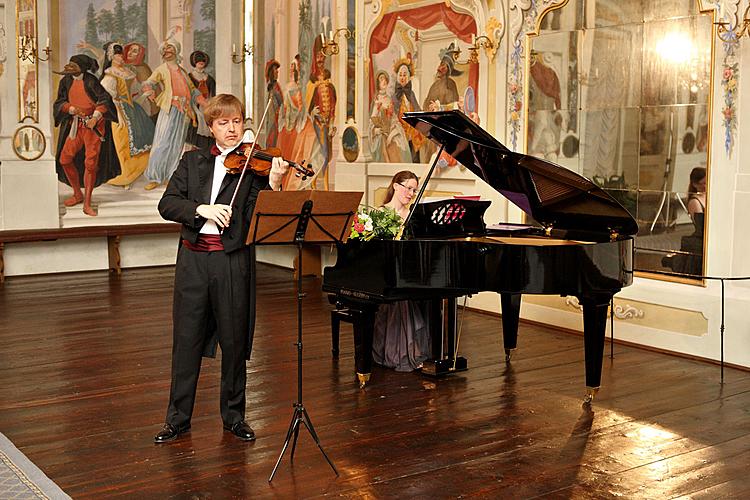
{"x":27,"y":43}
{"x":29,"y":143}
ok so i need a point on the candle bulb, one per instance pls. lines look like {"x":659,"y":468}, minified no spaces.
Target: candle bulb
{"x":323,"y":38}
{"x":455,"y":43}
{"x":234,"y":48}
{"x":473,"y":39}
{"x":330,"y":35}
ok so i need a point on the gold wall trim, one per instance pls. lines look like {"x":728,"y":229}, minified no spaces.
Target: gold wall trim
{"x":659,"y":317}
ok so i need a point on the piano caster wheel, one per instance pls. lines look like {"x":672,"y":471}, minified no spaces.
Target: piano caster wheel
{"x":590,"y":393}
{"x":508,"y":354}
{"x":363,"y":378}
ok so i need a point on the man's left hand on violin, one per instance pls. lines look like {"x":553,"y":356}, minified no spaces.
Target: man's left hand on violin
{"x":279,"y":167}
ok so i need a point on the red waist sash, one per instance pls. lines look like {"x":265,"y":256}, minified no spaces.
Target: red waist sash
{"x":205,"y":243}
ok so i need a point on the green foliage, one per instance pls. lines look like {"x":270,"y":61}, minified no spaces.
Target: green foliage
{"x":92,"y":35}
{"x":118,"y":23}
{"x":378,"y":223}
{"x":105,"y":23}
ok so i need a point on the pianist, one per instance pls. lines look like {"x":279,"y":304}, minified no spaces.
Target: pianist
{"x":401,"y":337}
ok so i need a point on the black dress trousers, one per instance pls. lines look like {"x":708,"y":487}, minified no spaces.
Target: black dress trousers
{"x":212,"y":294}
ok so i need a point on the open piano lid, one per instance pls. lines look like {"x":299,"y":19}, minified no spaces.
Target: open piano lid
{"x":552,"y":195}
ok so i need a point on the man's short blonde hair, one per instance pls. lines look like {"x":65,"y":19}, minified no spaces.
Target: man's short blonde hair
{"x":222,"y":105}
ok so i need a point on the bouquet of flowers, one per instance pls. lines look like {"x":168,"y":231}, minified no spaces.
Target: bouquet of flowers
{"x":381,"y":223}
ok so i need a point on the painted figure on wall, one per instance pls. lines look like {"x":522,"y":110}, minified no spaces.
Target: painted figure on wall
{"x":321,"y":106}
{"x":134,"y":130}
{"x":200,"y":136}
{"x":177,"y":110}
{"x":404,"y":100}
{"x":134,"y":55}
{"x":86,"y":155}
{"x":273,"y":89}
{"x":443,"y":93}
{"x":387,"y":139}
{"x":292,"y":113}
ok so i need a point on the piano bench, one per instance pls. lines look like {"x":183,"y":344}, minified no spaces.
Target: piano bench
{"x":337,"y":316}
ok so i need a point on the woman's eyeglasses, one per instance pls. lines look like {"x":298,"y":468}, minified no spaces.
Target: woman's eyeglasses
{"x":410,"y":189}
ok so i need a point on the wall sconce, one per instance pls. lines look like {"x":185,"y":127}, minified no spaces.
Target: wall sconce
{"x":728,"y":33}
{"x":247,"y":50}
{"x":477,"y":42}
{"x":27,"y":50}
{"x":331,"y":47}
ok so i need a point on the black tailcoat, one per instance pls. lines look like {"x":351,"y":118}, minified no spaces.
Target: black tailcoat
{"x":190,"y":186}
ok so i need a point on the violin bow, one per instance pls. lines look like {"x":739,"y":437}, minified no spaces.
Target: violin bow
{"x":252,"y":150}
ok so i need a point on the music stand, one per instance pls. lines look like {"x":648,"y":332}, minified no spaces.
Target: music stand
{"x":282,"y":218}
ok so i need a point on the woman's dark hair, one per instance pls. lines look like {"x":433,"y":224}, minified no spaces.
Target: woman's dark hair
{"x":399,"y":178}
{"x":199,"y":56}
{"x":696,"y":175}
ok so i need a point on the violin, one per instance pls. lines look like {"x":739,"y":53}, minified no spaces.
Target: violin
{"x":260,"y":162}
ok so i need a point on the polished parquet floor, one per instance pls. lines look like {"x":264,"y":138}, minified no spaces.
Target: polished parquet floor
{"x":84,"y":380}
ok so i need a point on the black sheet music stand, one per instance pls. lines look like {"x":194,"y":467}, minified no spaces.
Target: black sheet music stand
{"x":283,"y":218}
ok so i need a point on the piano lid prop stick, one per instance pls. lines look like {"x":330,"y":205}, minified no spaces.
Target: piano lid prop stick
{"x":421,"y":189}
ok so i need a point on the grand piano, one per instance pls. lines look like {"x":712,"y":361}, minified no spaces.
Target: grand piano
{"x":578,"y":243}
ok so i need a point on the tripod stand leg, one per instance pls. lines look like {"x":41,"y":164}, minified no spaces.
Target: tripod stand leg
{"x":294,"y":441}
{"x":308,"y":423}
{"x":293,"y":428}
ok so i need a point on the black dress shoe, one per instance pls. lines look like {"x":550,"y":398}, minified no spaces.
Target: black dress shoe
{"x":169,"y":433}
{"x":242,"y":430}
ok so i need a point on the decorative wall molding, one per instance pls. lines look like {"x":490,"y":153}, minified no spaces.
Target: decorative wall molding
{"x":623,"y":312}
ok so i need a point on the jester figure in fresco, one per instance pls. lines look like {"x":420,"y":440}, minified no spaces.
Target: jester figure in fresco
{"x":271,"y":127}
{"x":177,"y":110}
{"x":134,"y":129}
{"x":86,"y":155}
{"x":320,"y":97}
{"x":443,"y":93}
{"x":404,"y":100}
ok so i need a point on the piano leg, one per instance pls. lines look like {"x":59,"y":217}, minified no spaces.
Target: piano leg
{"x":363,"y":325}
{"x":594,"y":331}
{"x":511,"y":310}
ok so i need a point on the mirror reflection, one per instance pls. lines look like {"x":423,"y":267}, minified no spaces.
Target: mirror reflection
{"x":618,"y":92}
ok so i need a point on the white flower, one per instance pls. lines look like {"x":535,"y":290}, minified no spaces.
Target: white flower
{"x":368,"y":224}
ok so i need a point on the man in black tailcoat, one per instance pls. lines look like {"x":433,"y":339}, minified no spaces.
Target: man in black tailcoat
{"x":214,"y":288}
{"x":86,"y":155}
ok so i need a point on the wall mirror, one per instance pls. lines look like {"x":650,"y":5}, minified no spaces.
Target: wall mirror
{"x":350,"y":144}
{"x":26,"y":30}
{"x":619,"y":92}
{"x":29,"y":143}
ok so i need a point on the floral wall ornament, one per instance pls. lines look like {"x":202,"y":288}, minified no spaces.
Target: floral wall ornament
{"x":729,"y":78}
{"x":727,"y":19}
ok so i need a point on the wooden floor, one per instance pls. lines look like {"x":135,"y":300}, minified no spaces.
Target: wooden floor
{"x":84,"y":380}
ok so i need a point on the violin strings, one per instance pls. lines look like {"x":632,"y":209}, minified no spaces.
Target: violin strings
{"x":252,"y":148}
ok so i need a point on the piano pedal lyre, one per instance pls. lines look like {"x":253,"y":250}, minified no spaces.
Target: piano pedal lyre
{"x":590,"y":393}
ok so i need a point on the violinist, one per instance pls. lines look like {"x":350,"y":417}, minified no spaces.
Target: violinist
{"x":214,"y":287}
